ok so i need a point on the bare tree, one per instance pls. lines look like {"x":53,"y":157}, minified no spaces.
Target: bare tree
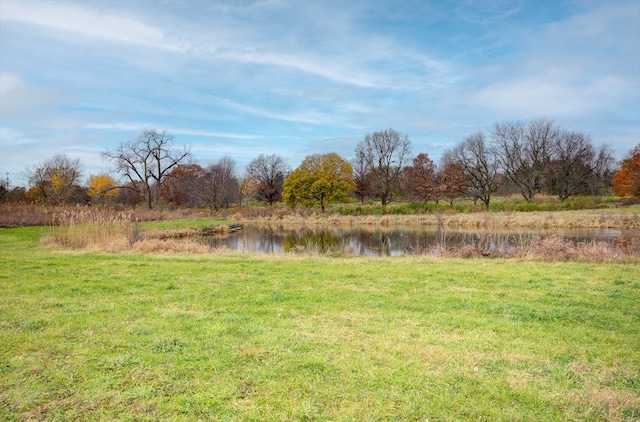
{"x":362,"y":177}
{"x":479,"y":166}
{"x":575,"y":164}
{"x":524,"y":151}
{"x":385,"y":154}
{"x":57,"y":179}
{"x":219,"y":186}
{"x":267,"y":174}
{"x":147,"y":159}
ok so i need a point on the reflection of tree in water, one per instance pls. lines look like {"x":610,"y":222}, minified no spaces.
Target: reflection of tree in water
{"x":313,"y":240}
{"x":367,"y":241}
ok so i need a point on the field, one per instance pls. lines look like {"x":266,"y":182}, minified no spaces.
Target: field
{"x":89,"y":335}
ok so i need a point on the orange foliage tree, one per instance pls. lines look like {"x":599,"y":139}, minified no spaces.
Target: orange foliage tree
{"x":626,"y":181}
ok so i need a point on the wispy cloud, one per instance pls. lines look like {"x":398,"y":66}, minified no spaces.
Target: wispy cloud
{"x":86,"y":22}
{"x":309,"y":117}
{"x":137,"y":127}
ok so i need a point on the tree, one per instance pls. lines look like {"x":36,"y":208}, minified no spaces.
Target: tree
{"x":147,"y":159}
{"x":362,"y":177}
{"x":524,"y":151}
{"x":56,"y":181}
{"x":320,"y":180}
{"x":450,"y":178}
{"x":219,"y":187}
{"x":479,"y":166}
{"x":626,"y":181}
{"x":575,"y":164}
{"x":247,"y":189}
{"x":102,"y":188}
{"x":182,"y":185}
{"x":267,"y":174}
{"x":420,"y":179}
{"x":385,"y":154}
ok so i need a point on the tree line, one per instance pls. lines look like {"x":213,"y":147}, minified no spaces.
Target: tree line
{"x":526,"y":157}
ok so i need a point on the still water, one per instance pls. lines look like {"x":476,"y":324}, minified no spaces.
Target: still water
{"x":367,"y":241}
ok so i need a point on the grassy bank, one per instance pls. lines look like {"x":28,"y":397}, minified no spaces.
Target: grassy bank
{"x":104,"y":336}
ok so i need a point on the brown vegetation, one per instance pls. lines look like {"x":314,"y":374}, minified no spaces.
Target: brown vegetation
{"x":18,"y":214}
{"x":621,"y":218}
{"x":118,"y":231}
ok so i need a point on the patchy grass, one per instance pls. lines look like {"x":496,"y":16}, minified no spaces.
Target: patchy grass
{"x":107,"y":336}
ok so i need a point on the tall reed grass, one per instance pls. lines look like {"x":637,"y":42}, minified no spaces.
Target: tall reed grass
{"x":94,"y":229}
{"x":618,"y":218}
{"x":21,"y":214}
{"x":120,"y":231}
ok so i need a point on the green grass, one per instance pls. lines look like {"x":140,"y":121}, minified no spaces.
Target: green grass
{"x":98,"y":336}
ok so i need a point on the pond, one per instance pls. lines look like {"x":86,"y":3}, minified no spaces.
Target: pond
{"x":369,"y":241}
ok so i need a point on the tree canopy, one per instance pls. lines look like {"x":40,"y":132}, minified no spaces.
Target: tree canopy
{"x":267,"y":174}
{"x":321,"y":179}
{"x":626,"y":181}
{"x":385,"y":154}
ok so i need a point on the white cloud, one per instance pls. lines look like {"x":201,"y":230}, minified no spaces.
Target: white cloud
{"x":545,"y":96}
{"x":566,"y":71}
{"x":309,"y":117}
{"x":85,"y":22}
{"x":18,"y":96}
{"x":137,"y":127}
{"x":9,"y":81}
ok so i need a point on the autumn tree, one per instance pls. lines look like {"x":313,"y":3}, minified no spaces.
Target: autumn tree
{"x":102,"y":188}
{"x":146,"y":161}
{"x":385,"y":154}
{"x":420,"y":179}
{"x":267,"y":174}
{"x":479,"y":167}
{"x":181,"y":186}
{"x":626,"y":181}
{"x":247,"y":189}
{"x":450,"y":178}
{"x":321,"y":179}
{"x":56,"y":180}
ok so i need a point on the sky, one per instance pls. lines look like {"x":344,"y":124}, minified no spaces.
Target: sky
{"x":294,"y":78}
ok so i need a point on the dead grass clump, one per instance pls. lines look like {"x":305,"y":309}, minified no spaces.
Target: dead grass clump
{"x":173,"y":246}
{"x":467,"y":251}
{"x":553,"y":248}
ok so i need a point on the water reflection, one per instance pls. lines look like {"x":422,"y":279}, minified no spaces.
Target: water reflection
{"x":366,"y":241}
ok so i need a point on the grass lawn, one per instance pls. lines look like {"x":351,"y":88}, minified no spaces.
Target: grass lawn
{"x":108,"y":336}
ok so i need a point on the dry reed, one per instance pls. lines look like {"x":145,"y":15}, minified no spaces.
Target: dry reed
{"x":622,"y":219}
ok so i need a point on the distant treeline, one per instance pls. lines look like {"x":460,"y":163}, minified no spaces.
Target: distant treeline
{"x":524,"y":157}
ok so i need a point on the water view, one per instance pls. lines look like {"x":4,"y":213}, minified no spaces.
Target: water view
{"x":368,"y":241}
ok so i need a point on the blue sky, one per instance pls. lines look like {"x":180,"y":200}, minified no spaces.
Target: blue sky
{"x":293,"y":78}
